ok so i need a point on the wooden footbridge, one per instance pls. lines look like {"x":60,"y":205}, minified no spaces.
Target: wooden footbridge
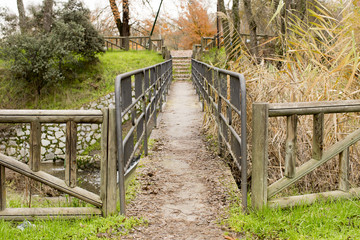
{"x":139,"y":98}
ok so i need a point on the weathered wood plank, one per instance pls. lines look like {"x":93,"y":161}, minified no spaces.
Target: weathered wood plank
{"x":2,"y":188}
{"x":35,"y":145}
{"x":70,"y":154}
{"x":290,"y":157}
{"x":49,"y":180}
{"x":31,"y":214}
{"x":318,"y":136}
{"x":344,"y":170}
{"x":50,"y":116}
{"x":112,"y":164}
{"x":309,"y":108}
{"x":311,"y":198}
{"x":259,"y":155}
{"x":104,"y":159}
{"x":312,"y":164}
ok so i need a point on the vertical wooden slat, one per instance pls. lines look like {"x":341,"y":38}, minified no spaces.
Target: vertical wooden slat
{"x":70,"y":155}
{"x":35,"y":145}
{"x":2,"y":189}
{"x":104,"y":160}
{"x":259,"y":155}
{"x":290,"y":157}
{"x":112,"y":163}
{"x":108,"y":163}
{"x":344,"y":170}
{"x":218,"y":118}
{"x":318,"y":138}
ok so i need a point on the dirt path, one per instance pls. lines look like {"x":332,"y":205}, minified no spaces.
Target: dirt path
{"x":184,"y":187}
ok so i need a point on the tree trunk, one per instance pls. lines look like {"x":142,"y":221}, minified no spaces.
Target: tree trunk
{"x":254,"y":50}
{"x":48,"y":14}
{"x":236,"y":16}
{"x":225,"y":28}
{"x":22,"y":16}
{"x":116,"y":14}
{"x":126,"y":18}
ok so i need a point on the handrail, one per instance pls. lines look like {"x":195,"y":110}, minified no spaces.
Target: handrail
{"x":216,"y":86}
{"x":139,"y":95}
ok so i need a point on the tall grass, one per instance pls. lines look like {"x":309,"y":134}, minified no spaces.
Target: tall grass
{"x":320,"y":62}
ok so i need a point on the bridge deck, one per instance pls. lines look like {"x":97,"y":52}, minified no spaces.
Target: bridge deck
{"x":184,"y":185}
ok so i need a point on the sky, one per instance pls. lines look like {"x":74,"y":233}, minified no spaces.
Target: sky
{"x":168,"y":5}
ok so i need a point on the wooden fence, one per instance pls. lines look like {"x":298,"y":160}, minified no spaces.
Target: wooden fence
{"x":105,"y":204}
{"x":262,"y":193}
{"x":137,"y":43}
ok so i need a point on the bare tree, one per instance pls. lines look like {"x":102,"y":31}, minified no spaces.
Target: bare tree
{"x":22,"y":16}
{"x":122,"y":26}
{"x":252,"y":28}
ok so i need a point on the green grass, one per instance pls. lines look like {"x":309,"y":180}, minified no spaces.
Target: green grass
{"x":322,"y":220}
{"x":94,"y":228}
{"x":90,"y":82}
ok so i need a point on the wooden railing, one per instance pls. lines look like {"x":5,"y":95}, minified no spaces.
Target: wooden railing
{"x":261,"y":192}
{"x":107,"y":199}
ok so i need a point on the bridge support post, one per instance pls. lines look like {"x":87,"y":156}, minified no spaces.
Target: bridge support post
{"x":108,"y":163}
{"x":70,"y":155}
{"x":259,"y":155}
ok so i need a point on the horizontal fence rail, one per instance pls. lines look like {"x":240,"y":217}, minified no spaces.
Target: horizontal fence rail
{"x":225,"y":95}
{"x":133,"y":43}
{"x":139,"y":95}
{"x":32,"y":170}
{"x":262,"y":193}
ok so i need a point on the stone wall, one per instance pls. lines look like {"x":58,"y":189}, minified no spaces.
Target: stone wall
{"x":14,"y":140}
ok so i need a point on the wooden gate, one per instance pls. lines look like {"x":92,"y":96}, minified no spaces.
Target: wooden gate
{"x":105,"y":204}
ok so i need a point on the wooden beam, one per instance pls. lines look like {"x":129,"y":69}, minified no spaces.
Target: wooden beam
{"x":309,"y":108}
{"x":290,"y":157}
{"x":318,"y":136}
{"x":344,"y":170}
{"x":259,"y":155}
{"x":311,"y":198}
{"x":35,"y":146}
{"x":2,"y":189}
{"x":70,"y":155}
{"x":31,"y":214}
{"x":312,"y":164}
{"x":108,"y":165}
{"x":49,"y":180}
{"x":50,"y":116}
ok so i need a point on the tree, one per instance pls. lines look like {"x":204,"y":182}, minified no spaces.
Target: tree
{"x":41,"y":58}
{"x":254,"y":50}
{"x":22,"y":16}
{"x":194,"y":23}
{"x":48,"y":14}
{"x":123,"y":26}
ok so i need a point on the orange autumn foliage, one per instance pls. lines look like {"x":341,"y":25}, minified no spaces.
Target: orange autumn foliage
{"x":194,"y":23}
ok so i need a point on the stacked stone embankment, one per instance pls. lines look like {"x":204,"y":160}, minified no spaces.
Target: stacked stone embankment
{"x":14,"y":141}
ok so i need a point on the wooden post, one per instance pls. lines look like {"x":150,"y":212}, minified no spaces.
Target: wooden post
{"x":146,"y":117}
{"x":2,"y":189}
{"x":127,"y":43}
{"x":201,"y":47}
{"x":35,"y":145}
{"x":318,"y":136}
{"x":150,"y":44}
{"x":290,"y":157}
{"x":70,"y":155}
{"x":259,"y":154}
{"x":344,"y":171}
{"x":108,"y":163}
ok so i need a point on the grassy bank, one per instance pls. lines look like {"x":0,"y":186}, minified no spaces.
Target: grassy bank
{"x":330,"y":220}
{"x":90,"y":82}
